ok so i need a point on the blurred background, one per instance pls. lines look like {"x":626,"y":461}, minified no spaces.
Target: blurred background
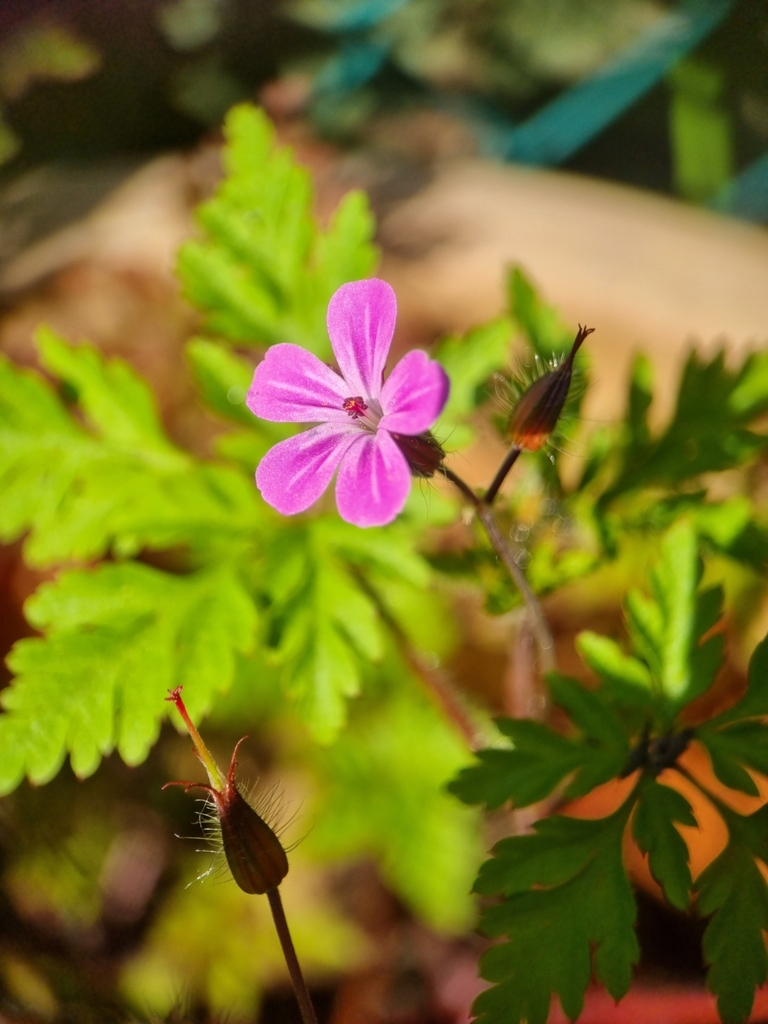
{"x":617,"y":149}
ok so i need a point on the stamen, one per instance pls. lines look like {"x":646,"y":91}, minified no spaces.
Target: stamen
{"x":356,"y":407}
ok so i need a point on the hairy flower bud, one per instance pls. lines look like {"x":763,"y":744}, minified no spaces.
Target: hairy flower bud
{"x":254,"y":853}
{"x":536,"y":414}
{"x":423,"y":452}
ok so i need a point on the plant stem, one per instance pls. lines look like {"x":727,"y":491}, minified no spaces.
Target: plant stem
{"x":297,"y":978}
{"x":539,"y":625}
{"x":501,"y":476}
{"x":439,"y":688}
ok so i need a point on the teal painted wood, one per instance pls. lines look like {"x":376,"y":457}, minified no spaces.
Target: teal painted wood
{"x":747,"y":195}
{"x":566,"y":124}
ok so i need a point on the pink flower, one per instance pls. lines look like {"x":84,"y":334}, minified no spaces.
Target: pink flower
{"x":361,"y":417}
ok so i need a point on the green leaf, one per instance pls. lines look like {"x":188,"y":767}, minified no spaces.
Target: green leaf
{"x":113,"y":398}
{"x":733,"y":890}
{"x":646,"y":626}
{"x":666,"y":630}
{"x":117,"y":638}
{"x":223,"y":379}
{"x":541,"y":758}
{"x":709,"y":431}
{"x":737,"y":739}
{"x":470,"y":361}
{"x":639,"y":402}
{"x":120,"y":485}
{"x":568,"y":911}
{"x":724,"y":522}
{"x":539,"y":761}
{"x":609,"y":662}
{"x":653,"y":826}
{"x":325,"y":625}
{"x":675,"y":579}
{"x":540,"y":323}
{"x":264,"y":272}
{"x":587,"y":709}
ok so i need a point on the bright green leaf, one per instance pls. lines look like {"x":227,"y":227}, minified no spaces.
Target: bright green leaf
{"x":264,"y":271}
{"x":117,"y":638}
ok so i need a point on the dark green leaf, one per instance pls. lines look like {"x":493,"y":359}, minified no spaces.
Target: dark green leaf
{"x":709,"y":431}
{"x":733,"y":890}
{"x":568,"y":910}
{"x":653,"y":826}
{"x":541,"y":758}
{"x":539,"y":761}
{"x":735,"y":739}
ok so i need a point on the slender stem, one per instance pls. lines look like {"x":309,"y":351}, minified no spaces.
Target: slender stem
{"x":434,"y":681}
{"x":297,"y":978}
{"x":539,"y":625}
{"x":501,"y":476}
{"x":465,"y":489}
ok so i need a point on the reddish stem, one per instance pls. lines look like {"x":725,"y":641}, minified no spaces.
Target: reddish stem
{"x":292,"y":961}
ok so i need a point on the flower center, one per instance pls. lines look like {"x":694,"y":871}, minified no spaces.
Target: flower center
{"x":367,"y":414}
{"x":356,"y":407}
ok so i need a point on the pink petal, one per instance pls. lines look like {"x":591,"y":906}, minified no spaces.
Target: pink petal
{"x":373,"y":481}
{"x":361,"y":322}
{"x":291,"y":385}
{"x":294,"y":473}
{"x":414,"y":394}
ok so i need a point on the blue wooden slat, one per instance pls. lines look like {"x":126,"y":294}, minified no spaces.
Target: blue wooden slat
{"x":747,"y":195}
{"x":567,"y":123}
{"x":361,"y":16}
{"x":355,"y":64}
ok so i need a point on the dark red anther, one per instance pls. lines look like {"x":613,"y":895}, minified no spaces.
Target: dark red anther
{"x":356,"y":407}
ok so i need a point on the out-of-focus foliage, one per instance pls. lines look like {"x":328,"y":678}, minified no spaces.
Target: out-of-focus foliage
{"x":508,"y":52}
{"x":424,"y":845}
{"x":700,"y":131}
{"x":489,"y":71}
{"x":228,"y":969}
{"x":568,"y":908}
{"x":39,"y":52}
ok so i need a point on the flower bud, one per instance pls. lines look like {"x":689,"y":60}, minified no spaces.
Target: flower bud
{"x":536,"y":414}
{"x":254,"y":853}
{"x":422,"y":452}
